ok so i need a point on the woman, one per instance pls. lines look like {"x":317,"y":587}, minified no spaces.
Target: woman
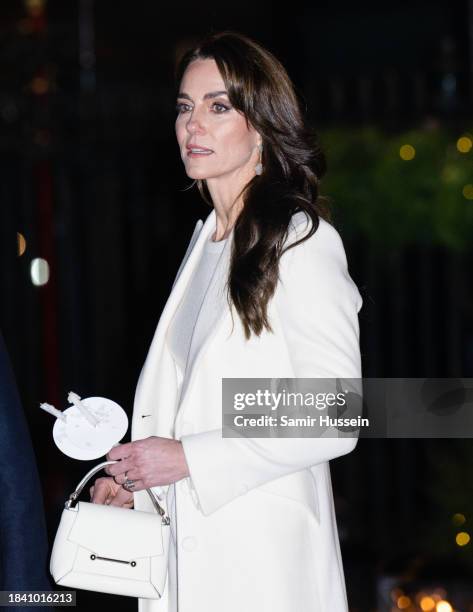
{"x":253,"y":519}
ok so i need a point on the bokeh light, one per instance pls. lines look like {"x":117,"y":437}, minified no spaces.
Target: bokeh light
{"x":39,"y":271}
{"x":464,"y":144}
{"x":39,"y":86}
{"x":427,"y":603}
{"x":468,"y":191}
{"x":403,"y":602}
{"x":462,"y":538}
{"x":21,"y":243}
{"x":407,"y":152}
{"x":458,"y":518}
{"x":35,"y":8}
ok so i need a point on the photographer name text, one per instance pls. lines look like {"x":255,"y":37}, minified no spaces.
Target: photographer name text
{"x":266,"y":420}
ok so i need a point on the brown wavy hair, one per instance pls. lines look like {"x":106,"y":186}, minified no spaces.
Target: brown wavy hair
{"x":259,"y":87}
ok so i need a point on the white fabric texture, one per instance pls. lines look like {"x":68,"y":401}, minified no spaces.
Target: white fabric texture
{"x":180,"y":331}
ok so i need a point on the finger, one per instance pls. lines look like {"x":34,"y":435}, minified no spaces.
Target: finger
{"x":120,"y":452}
{"x":120,"y":468}
{"x":107,"y":456}
{"x":91,"y":491}
{"x":106,"y":470}
{"x":121,"y":478}
{"x":133,"y":474}
{"x":101,"y":491}
{"x":122,"y":497}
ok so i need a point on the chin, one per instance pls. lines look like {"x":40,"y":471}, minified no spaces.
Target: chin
{"x":196,"y":175}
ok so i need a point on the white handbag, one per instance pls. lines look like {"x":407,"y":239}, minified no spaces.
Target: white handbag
{"x":110,"y":549}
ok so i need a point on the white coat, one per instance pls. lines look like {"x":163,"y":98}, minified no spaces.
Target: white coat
{"x":254,"y":523}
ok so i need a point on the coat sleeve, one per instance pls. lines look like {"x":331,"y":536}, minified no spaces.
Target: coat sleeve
{"x":23,"y":534}
{"x":317,"y":304}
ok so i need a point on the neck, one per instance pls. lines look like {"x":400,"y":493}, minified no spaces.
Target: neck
{"x":225,"y":218}
{"x":227,"y":201}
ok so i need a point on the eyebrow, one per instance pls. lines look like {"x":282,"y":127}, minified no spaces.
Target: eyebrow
{"x":211,"y":94}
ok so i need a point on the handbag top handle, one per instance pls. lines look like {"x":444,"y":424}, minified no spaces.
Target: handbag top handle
{"x":78,"y":490}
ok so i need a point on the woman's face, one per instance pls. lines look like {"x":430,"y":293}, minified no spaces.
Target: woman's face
{"x":207,"y":120}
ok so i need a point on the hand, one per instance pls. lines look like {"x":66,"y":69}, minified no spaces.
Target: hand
{"x":151,"y":462}
{"x":107,"y":491}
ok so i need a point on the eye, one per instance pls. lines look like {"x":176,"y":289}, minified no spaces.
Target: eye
{"x":181,"y":107}
{"x":223,"y":108}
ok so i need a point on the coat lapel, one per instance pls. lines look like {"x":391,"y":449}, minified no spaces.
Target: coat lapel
{"x":158,"y":365}
{"x":150,"y":398}
{"x":195,"y":235}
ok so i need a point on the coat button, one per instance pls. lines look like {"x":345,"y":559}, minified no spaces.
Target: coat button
{"x":189,"y":543}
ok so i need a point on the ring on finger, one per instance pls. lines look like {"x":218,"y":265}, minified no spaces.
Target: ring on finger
{"x":129,"y":485}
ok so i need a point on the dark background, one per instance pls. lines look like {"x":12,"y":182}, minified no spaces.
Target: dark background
{"x":91,"y":176}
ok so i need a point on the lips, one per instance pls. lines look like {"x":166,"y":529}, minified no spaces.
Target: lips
{"x":198,"y":147}
{"x":195,"y":151}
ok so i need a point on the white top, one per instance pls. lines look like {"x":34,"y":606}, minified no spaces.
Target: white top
{"x":181,"y":328}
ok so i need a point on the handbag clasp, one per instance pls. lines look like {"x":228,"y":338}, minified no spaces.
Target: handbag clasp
{"x":132,"y":563}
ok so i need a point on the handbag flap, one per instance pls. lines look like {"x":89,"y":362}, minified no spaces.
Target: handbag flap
{"x":117,"y":533}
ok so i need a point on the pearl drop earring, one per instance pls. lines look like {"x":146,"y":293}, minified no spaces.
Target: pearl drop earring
{"x":259,"y":165}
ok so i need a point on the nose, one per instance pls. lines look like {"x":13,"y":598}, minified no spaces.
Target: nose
{"x":194,"y":124}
